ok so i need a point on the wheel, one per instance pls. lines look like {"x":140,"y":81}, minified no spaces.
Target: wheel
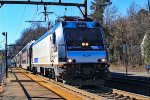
{"x":64,"y":81}
{"x":46,"y":72}
{"x":56,"y":78}
{"x":52,"y":74}
{"x":34,"y":71}
{"x":147,"y":71}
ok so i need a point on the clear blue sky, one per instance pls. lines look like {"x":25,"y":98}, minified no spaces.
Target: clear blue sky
{"x":13,"y":17}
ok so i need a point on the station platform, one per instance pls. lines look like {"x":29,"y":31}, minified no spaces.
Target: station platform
{"x":19,"y":86}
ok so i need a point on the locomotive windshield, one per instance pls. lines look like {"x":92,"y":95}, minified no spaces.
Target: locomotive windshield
{"x":75,"y":37}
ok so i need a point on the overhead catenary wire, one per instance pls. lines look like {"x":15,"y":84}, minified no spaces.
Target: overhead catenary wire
{"x":47,"y":9}
{"x":47,"y":16}
{"x":36,"y":12}
{"x":43,"y":15}
{"x":2,"y":43}
{"x":2,"y":40}
{"x":3,"y":26}
{"x":3,"y":20}
{"x":66,"y":10}
{"x":50,"y":5}
{"x":32,"y":18}
{"x":20,"y":20}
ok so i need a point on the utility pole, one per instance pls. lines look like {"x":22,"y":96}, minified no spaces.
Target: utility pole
{"x":5,"y":34}
{"x":85,"y":9}
{"x":126,"y":52}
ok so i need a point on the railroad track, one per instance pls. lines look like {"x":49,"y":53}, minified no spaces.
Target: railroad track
{"x":114,"y":94}
{"x":130,"y":81}
{"x":130,"y":84}
{"x":123,"y":95}
{"x":100,"y":93}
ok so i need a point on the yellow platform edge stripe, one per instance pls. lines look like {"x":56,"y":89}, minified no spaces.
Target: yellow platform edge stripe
{"x":64,"y":94}
{"x":1,"y":89}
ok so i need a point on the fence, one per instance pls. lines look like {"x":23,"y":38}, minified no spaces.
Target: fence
{"x":2,"y":70}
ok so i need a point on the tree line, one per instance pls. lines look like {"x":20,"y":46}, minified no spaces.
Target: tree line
{"x":31,"y":33}
{"x":131,"y":29}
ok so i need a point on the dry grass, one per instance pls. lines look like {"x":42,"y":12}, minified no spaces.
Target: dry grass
{"x":130,"y":68}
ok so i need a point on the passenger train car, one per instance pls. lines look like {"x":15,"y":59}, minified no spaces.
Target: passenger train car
{"x":23,"y":58}
{"x":73,"y":52}
{"x":26,"y":56}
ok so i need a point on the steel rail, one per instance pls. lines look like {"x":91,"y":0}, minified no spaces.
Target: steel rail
{"x":116,"y":94}
{"x":131,"y":95}
{"x":131,"y":81}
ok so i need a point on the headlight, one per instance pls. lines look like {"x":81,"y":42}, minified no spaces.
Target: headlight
{"x":83,"y":44}
{"x":103,"y":60}
{"x":87,"y":44}
{"x":69,"y":60}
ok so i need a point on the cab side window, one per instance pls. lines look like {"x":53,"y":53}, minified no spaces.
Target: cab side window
{"x":54,"y":42}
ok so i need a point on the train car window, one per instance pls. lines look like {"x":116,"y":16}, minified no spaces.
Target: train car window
{"x":23,"y":61}
{"x":54,"y":38}
{"x":24,"y":50}
{"x":74,"y":36}
{"x":92,"y":36}
{"x":27,"y":56}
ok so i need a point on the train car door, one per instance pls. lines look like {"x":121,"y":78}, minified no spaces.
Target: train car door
{"x":20,"y":60}
{"x":53,"y":47}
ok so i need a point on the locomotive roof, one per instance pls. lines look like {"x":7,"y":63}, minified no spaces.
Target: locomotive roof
{"x":74,"y":24}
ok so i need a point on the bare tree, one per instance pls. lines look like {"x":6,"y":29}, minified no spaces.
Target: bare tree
{"x":28,"y":34}
{"x":130,"y":29}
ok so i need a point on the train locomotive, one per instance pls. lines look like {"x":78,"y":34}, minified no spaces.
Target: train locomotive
{"x":73,"y":52}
